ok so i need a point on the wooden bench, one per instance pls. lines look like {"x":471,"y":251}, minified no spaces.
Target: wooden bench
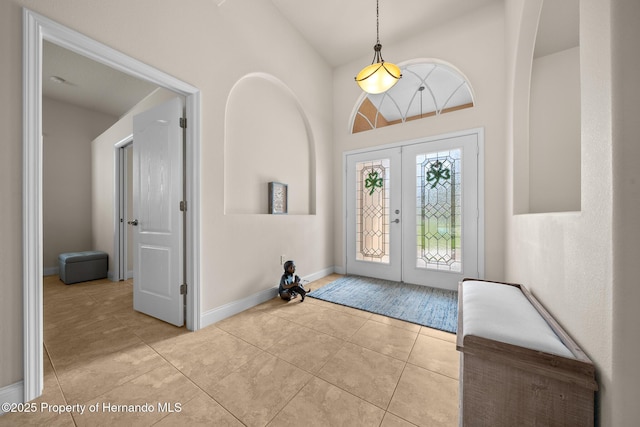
{"x":518,"y":367}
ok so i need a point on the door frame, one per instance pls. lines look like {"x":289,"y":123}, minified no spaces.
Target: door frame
{"x":479,"y":132}
{"x":37,"y":28}
{"x":121,"y":236}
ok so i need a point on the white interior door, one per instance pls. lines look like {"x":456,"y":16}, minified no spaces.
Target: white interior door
{"x":412,"y":212}
{"x":373,"y":214}
{"x":158,"y":226}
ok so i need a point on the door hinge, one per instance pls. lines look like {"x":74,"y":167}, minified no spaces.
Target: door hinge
{"x":183,"y":206}
{"x":183,"y":122}
{"x":183,"y":289}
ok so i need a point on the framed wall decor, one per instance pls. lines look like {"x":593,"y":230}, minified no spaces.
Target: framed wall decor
{"x":277,"y":198}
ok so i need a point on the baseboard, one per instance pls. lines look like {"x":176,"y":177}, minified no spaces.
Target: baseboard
{"x":13,"y":393}
{"x":112,"y":276}
{"x":339,"y":270}
{"x":219,"y":313}
{"x":320,"y":274}
{"x":51,"y":271}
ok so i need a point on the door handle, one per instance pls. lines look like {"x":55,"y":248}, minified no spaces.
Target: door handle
{"x":134,"y":222}
{"x":397,"y":220}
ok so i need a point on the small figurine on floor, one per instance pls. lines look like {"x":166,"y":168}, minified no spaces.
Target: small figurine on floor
{"x":290,"y":285}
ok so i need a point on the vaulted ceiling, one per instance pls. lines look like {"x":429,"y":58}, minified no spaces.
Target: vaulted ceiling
{"x":340,"y":31}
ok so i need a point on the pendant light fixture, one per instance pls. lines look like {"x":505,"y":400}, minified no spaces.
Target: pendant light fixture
{"x":380,"y":76}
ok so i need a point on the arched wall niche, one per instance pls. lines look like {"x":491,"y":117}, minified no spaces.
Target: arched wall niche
{"x":555,"y":111}
{"x":428,"y":87}
{"x":267,"y":138}
{"x":521,"y":95}
{"x":547,"y":109}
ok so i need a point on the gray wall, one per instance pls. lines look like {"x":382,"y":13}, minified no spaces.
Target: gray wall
{"x":66,"y":199}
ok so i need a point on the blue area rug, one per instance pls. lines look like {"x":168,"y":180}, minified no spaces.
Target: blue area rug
{"x":431,"y":307}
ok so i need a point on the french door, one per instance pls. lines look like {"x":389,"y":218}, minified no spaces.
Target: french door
{"x":373,"y":214}
{"x":412,"y":212}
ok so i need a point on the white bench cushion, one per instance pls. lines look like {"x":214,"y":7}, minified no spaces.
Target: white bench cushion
{"x":503,"y":313}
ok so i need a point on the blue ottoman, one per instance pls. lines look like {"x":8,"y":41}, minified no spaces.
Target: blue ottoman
{"x":83,"y":266}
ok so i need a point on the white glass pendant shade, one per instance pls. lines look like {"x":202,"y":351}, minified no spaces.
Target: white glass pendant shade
{"x":378,"y":77}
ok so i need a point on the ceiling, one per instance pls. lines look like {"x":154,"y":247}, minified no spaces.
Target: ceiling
{"x":339,"y":30}
{"x":89,"y":84}
{"x":344,"y":30}
{"x":559,"y":27}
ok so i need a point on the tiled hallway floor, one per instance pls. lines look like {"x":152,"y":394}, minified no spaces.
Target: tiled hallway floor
{"x":277,"y":364}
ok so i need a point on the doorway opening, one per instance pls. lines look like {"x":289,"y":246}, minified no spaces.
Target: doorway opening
{"x":36,"y":29}
{"x":123,"y":205}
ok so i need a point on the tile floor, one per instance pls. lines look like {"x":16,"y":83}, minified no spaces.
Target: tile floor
{"x":277,"y":364}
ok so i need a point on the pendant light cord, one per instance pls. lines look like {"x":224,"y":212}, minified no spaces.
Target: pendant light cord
{"x":377,"y":55}
{"x":377,"y":22}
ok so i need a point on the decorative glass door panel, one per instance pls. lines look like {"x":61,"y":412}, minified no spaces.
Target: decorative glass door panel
{"x":372,"y":211}
{"x":440,"y":189}
{"x":373,"y":214}
{"x":439,"y":211}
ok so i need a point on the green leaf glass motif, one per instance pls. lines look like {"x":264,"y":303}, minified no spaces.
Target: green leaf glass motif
{"x":372,"y":182}
{"x":436,"y":173}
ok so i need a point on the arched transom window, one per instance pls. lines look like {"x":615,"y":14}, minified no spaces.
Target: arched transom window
{"x":426,"y":89}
